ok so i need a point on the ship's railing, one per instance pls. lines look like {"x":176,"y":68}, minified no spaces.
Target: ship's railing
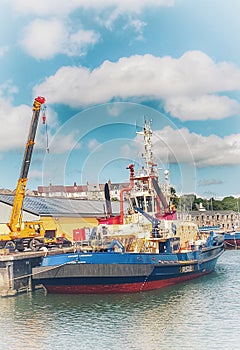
{"x":92,"y":245}
{"x":129,"y":243}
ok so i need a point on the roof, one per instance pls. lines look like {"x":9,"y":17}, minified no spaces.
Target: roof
{"x":212,"y":212}
{"x":62,"y":189}
{"x":80,"y":188}
{"x":45,"y":206}
{"x":8,"y":199}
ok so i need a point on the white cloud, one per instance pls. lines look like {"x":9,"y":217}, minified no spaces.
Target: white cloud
{"x":93,"y":144}
{"x":202,"y":107}
{"x":115,"y":109}
{"x":43,"y":39}
{"x":60,"y":143}
{"x":79,"y":41}
{"x":209,"y":182}
{"x":15,"y":122}
{"x":184,"y":146}
{"x":7,"y":90}
{"x":13,"y":119}
{"x":3,"y":50}
{"x":138,"y":27}
{"x":35,"y":174}
{"x":48,"y":33}
{"x":64,"y":8}
{"x":14,"y":125}
{"x":188,"y":86}
{"x":105,"y":12}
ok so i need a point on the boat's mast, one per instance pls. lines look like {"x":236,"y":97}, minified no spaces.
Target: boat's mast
{"x":148,"y":154}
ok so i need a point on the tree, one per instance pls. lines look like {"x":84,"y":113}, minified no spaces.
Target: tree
{"x":217,"y":205}
{"x":173,"y":197}
{"x":190,"y":202}
{"x":230,"y":203}
{"x":187,"y":202}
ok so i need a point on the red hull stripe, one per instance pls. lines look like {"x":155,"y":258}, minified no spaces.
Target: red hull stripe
{"x":120,"y":288}
{"x":232,"y":241}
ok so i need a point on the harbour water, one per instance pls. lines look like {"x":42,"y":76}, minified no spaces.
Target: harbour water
{"x":201,"y":314}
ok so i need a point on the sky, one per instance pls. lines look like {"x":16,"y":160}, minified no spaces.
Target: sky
{"x":104,"y":67}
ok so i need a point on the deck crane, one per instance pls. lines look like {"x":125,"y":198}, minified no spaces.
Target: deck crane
{"x":155,"y":222}
{"x":24,"y":233}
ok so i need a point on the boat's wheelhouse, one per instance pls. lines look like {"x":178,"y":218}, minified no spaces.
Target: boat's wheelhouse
{"x":146,"y":202}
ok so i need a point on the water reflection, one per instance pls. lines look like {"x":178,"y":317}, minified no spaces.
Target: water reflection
{"x":196,"y":315}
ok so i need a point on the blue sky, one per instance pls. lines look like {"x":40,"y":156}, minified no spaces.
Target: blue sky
{"x":103,"y":67}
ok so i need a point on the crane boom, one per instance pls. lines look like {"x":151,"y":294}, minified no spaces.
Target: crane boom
{"x":28,"y":234}
{"x":16,"y":214}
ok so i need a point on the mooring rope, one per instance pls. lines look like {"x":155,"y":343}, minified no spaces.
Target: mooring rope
{"x":36,"y":273}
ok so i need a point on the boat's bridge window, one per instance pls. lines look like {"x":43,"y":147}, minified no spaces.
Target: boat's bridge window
{"x":149,"y":204}
{"x":145,"y":203}
{"x":133,"y":202}
{"x":141,"y":203}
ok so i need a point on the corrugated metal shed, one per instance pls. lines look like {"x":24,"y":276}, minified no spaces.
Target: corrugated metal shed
{"x":44,"y":206}
{"x":5,"y":213}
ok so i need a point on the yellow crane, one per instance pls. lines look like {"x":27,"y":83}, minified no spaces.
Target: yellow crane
{"x":22,"y":234}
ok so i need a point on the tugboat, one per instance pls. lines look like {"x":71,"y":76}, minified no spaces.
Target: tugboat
{"x":146,"y":247}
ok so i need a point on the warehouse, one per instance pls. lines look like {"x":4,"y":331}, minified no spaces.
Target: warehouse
{"x":66,"y":216}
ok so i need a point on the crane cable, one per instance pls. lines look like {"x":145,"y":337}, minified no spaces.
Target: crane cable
{"x":47,"y":147}
{"x":46,"y":128}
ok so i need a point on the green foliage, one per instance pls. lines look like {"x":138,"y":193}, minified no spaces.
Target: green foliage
{"x":230,"y":203}
{"x":190,"y":202}
{"x":174,"y":198}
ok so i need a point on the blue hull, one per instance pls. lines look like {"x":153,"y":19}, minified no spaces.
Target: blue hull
{"x":110,"y":272}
